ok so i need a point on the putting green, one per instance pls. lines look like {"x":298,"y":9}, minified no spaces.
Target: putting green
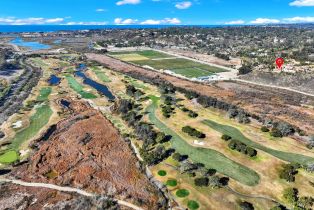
{"x":210,"y":158}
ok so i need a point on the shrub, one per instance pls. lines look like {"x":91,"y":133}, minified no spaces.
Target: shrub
{"x":276,"y":133}
{"x":291,"y":195}
{"x":243,"y":148}
{"x":264,"y":129}
{"x":201,"y":182}
{"x":246,"y":205}
{"x":226,"y":137}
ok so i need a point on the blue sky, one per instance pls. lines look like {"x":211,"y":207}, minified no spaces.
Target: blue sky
{"x":94,"y":12}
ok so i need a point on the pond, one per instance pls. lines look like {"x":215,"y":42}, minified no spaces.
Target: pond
{"x":99,"y":87}
{"x":54,"y":80}
{"x":65,"y":103}
{"x":32,"y":45}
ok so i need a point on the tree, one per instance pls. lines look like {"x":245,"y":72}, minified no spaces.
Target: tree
{"x":276,"y":133}
{"x":177,"y":156}
{"x":289,"y":171}
{"x":161,"y":137}
{"x":201,"y":182}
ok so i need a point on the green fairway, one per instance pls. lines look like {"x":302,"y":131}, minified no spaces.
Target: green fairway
{"x":100,"y":74}
{"x":151,"y":54}
{"x":44,"y":93}
{"x":37,"y":122}
{"x":236,"y":134}
{"x":210,"y":158}
{"x":77,"y":87}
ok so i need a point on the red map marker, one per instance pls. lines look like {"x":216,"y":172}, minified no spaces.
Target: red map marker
{"x":280,"y":62}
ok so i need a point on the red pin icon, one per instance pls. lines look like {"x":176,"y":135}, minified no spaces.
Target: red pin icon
{"x":280,"y":62}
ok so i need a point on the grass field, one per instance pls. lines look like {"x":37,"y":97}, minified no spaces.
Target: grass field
{"x":147,"y":54}
{"x":181,"y":66}
{"x":210,"y":158}
{"x":100,"y":74}
{"x":77,"y":87}
{"x":237,"y":134}
{"x":162,"y":61}
{"x":37,"y":121}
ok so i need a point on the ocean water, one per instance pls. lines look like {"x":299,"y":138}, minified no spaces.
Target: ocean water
{"x":31,"y":45}
{"x":52,"y":28}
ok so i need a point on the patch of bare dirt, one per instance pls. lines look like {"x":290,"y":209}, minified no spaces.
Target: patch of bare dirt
{"x":85,"y":151}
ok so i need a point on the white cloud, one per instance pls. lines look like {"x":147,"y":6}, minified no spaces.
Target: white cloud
{"x":151,"y":22}
{"x":85,"y":23}
{"x":235,"y":22}
{"x":184,"y":5}
{"x":302,"y":3}
{"x":264,"y":21}
{"x":123,"y":2}
{"x":299,"y":20}
{"x":172,"y":21}
{"x":29,"y":21}
{"x":129,"y":21}
{"x":100,"y":10}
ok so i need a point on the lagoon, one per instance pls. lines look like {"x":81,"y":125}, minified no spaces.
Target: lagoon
{"x":31,"y":45}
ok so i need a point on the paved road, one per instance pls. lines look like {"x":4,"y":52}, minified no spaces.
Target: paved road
{"x":64,"y":189}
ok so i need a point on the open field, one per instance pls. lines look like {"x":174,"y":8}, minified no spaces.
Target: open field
{"x":236,"y":134}
{"x":146,"y":54}
{"x":161,"y":61}
{"x":209,"y":157}
{"x":77,"y":87}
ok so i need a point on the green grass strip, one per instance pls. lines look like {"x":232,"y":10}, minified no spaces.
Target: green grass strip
{"x":100,"y":75}
{"x":77,"y":87}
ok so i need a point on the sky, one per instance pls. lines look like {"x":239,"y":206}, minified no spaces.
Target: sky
{"x":155,"y":12}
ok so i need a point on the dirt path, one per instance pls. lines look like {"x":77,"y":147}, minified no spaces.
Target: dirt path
{"x":274,"y":86}
{"x":64,"y":189}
